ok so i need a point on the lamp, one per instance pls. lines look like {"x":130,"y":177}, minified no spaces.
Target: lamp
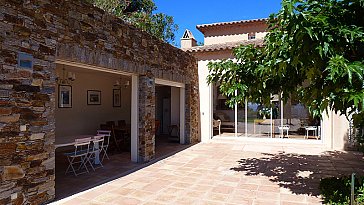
{"x":67,"y":77}
{"x":118,"y":83}
{"x":126,"y":84}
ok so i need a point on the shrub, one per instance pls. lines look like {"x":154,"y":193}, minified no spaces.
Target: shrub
{"x":337,"y":190}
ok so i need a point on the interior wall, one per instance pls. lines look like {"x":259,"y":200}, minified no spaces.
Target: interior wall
{"x":86,"y":119}
{"x":175,"y":106}
{"x":161,"y":93}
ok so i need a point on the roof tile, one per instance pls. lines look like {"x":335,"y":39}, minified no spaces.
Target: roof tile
{"x":225,"y":46}
{"x":203,"y":26}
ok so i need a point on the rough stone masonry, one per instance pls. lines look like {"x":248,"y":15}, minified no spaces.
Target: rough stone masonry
{"x":50,"y":30}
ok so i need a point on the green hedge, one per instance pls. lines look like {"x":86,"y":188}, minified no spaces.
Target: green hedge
{"x":337,"y":190}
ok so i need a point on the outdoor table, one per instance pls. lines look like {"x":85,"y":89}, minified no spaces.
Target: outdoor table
{"x":311,"y":128}
{"x":283,"y":128}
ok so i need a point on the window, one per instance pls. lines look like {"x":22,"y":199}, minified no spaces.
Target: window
{"x":251,"y":36}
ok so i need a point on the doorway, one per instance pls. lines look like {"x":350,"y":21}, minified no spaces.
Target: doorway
{"x":169,"y":116}
{"x":95,"y":98}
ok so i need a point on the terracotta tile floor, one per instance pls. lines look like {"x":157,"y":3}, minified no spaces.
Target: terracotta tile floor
{"x":119,"y":165}
{"x":229,"y":171}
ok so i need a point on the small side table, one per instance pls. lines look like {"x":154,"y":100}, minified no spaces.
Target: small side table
{"x":313,"y":129}
{"x":284,"y":128}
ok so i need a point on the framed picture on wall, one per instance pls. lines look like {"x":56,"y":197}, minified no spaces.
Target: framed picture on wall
{"x":64,"y":96}
{"x":116,"y":97}
{"x":93,"y":97}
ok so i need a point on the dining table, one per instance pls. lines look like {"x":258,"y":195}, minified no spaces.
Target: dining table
{"x":68,"y":141}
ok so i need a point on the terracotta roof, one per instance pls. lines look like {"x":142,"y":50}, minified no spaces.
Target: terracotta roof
{"x":225,"y":46}
{"x":203,"y":26}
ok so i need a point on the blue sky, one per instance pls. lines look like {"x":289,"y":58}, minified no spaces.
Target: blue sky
{"x":189,"y":13}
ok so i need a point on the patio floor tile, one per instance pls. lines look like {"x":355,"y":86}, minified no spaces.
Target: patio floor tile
{"x":265,"y":202}
{"x":252,"y":194}
{"x":267,"y":188}
{"x":292,"y":203}
{"x":293,"y":198}
{"x":229,"y":172}
{"x":223,"y":189}
{"x":217,"y":197}
{"x":126,"y":201}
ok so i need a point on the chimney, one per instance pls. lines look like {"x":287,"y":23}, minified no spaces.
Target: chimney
{"x":187,"y":40}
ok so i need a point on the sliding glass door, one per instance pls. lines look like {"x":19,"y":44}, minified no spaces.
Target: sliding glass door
{"x":252,"y":119}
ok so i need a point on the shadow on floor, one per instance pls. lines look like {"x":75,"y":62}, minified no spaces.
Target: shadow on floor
{"x":117,"y":166}
{"x":302,"y":173}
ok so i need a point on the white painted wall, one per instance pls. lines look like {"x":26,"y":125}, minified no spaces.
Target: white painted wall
{"x":211,"y":40}
{"x":260,"y":35}
{"x":175,"y":106}
{"x":205,"y":102}
{"x":335,"y":131}
{"x":233,"y":33}
{"x":188,"y":43}
{"x":86,"y":119}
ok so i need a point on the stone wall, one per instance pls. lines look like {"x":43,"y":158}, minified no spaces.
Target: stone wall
{"x":192,"y":130}
{"x":54,"y":30}
{"x":146,"y":118}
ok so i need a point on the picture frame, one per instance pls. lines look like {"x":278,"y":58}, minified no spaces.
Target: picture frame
{"x":93,"y":97}
{"x":64,"y":96}
{"x":116,"y":97}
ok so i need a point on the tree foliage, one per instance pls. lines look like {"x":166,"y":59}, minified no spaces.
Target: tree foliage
{"x":141,"y":14}
{"x":314,"y":50}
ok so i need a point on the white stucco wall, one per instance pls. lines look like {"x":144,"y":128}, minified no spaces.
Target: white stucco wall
{"x":232,"y":33}
{"x":335,"y":131}
{"x":188,"y":43}
{"x":211,"y":40}
{"x":205,"y":102}
{"x":260,"y":35}
{"x":206,"y":91}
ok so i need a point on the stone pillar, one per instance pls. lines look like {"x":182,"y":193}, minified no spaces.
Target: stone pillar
{"x":27,"y":104}
{"x":188,"y":114}
{"x":192,"y":123}
{"x":146,"y":117}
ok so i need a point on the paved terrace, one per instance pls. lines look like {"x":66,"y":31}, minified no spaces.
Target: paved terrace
{"x":229,"y":171}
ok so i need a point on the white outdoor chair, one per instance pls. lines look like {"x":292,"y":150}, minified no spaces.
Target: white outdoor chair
{"x":105,"y":146}
{"x":94,"y":153}
{"x":216,"y":124}
{"x":79,"y":156}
